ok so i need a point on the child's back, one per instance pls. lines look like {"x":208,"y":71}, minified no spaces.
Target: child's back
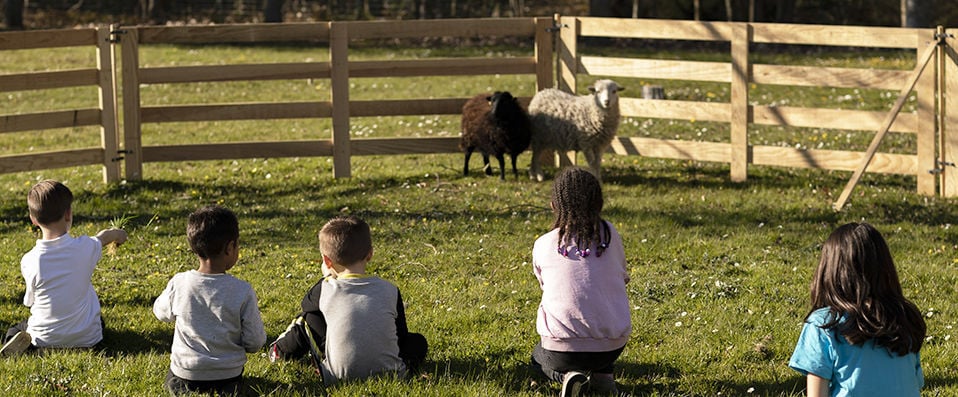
{"x":361,"y":334}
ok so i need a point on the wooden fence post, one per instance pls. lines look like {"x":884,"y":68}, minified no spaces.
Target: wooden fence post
{"x":949,"y":109}
{"x":741,"y":75}
{"x":106,"y":76}
{"x":926,"y":119}
{"x":544,"y":48}
{"x":132,"y":129}
{"x":339,"y":86}
{"x":568,"y":67}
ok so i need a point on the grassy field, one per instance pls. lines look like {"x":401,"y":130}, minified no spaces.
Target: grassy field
{"x":719,"y":270}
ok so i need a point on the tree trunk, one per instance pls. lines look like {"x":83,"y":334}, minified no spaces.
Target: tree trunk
{"x":273,"y":11}
{"x":13,"y":14}
{"x":916,"y":13}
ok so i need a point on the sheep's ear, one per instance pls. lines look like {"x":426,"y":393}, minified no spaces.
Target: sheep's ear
{"x":619,"y":88}
{"x":489,"y":99}
{"x":592,"y":89}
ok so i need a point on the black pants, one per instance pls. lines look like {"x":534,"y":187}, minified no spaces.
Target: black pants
{"x":554,"y":364}
{"x":295,"y":343}
{"x":224,"y":387}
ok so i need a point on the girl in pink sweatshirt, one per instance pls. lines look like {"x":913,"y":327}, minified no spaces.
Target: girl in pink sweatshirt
{"x":583,"y":319}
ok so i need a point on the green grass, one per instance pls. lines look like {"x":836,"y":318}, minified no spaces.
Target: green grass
{"x":719,"y":270}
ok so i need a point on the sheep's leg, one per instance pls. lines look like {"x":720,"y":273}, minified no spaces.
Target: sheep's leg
{"x":514,"y":170}
{"x":465,"y":168}
{"x":593,"y":156}
{"x":485,"y":163}
{"x":502,"y":165}
{"x":535,"y":170}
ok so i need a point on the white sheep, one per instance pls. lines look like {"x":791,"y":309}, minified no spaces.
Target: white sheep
{"x":564,"y":122}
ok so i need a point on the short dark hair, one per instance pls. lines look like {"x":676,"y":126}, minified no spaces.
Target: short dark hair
{"x":210,"y":229}
{"x":48,"y":201}
{"x":345,"y":240}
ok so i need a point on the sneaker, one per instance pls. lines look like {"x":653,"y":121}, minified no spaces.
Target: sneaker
{"x":273,"y":353}
{"x":603,"y":384}
{"x":16,"y":345}
{"x":573,"y":384}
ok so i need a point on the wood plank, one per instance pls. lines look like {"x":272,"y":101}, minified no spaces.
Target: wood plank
{"x":235,"y":33}
{"x":568,"y":54}
{"x":33,"y":39}
{"x":206,"y":73}
{"x":132,"y":129}
{"x":48,"y":120}
{"x":830,"y":118}
{"x":50,"y":160}
{"x":949,"y":130}
{"x":672,"y":109}
{"x":883,"y":163}
{"x":109,"y":123}
{"x":339,"y":93}
{"x":672,"y":149}
{"x":376,"y":146}
{"x":545,"y":65}
{"x":244,"y":111}
{"x":443,"y":67}
{"x":815,"y":76}
{"x":406,"y":107}
{"x":739,"y":107}
{"x":47,"y":80}
{"x":473,"y":27}
{"x":656,"y":29}
{"x":925,"y":116}
{"x":237,"y":150}
{"x":833,"y":35}
{"x":656,"y":69}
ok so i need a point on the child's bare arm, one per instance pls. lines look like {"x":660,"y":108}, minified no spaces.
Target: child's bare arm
{"x":816,"y":386}
{"x":107,"y":236}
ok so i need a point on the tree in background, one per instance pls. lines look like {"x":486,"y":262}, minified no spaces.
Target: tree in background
{"x":273,"y":11}
{"x":13,"y":14}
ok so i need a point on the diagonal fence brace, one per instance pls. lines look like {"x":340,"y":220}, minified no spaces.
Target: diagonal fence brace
{"x":889,"y":120}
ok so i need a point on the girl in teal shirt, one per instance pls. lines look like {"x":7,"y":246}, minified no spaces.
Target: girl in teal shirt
{"x":862,"y":336}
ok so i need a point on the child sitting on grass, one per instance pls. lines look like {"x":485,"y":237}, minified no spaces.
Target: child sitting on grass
{"x":58,"y":271}
{"x":353,"y":325}
{"x":583,"y":319}
{"x":217,"y":317}
{"x":861,"y":336}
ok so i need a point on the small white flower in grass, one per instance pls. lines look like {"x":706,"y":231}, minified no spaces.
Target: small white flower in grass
{"x":750,"y":390}
{"x":483,"y":307}
{"x":678,"y":323}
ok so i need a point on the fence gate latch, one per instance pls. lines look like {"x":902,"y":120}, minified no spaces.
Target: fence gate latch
{"x":941,"y":165}
{"x":120,"y":157}
{"x":115,"y":35}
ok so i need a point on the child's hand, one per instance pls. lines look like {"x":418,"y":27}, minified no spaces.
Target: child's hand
{"x":111,"y":236}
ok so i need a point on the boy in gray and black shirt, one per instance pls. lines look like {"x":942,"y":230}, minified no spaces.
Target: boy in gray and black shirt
{"x":353,"y":324}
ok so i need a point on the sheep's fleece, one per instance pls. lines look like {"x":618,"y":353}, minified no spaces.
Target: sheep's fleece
{"x":564,"y":122}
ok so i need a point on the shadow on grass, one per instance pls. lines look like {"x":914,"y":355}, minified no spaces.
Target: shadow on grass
{"x":122,"y":342}
{"x":935,"y":382}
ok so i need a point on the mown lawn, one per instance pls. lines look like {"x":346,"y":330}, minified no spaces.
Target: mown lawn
{"x":720,"y":270}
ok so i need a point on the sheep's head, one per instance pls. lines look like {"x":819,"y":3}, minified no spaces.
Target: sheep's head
{"x":606,"y":93}
{"x":502,"y":101}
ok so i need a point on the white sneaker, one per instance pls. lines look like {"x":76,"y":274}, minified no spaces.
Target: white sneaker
{"x":18,"y":344}
{"x":573,"y":383}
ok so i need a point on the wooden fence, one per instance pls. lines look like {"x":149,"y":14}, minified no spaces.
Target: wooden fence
{"x":339,"y":69}
{"x":930,"y":166}
{"x":104,"y":115}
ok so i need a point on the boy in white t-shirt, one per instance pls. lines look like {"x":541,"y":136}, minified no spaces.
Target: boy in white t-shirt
{"x":58,"y":271}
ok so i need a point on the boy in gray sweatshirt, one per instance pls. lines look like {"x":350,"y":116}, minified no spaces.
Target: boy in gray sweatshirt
{"x":353,"y":324}
{"x":217,"y":317}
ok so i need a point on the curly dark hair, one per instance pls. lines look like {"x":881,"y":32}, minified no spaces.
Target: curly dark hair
{"x":856,"y":278}
{"x":577,"y":203}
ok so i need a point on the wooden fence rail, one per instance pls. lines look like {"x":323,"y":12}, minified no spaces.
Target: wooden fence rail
{"x":935,"y":90}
